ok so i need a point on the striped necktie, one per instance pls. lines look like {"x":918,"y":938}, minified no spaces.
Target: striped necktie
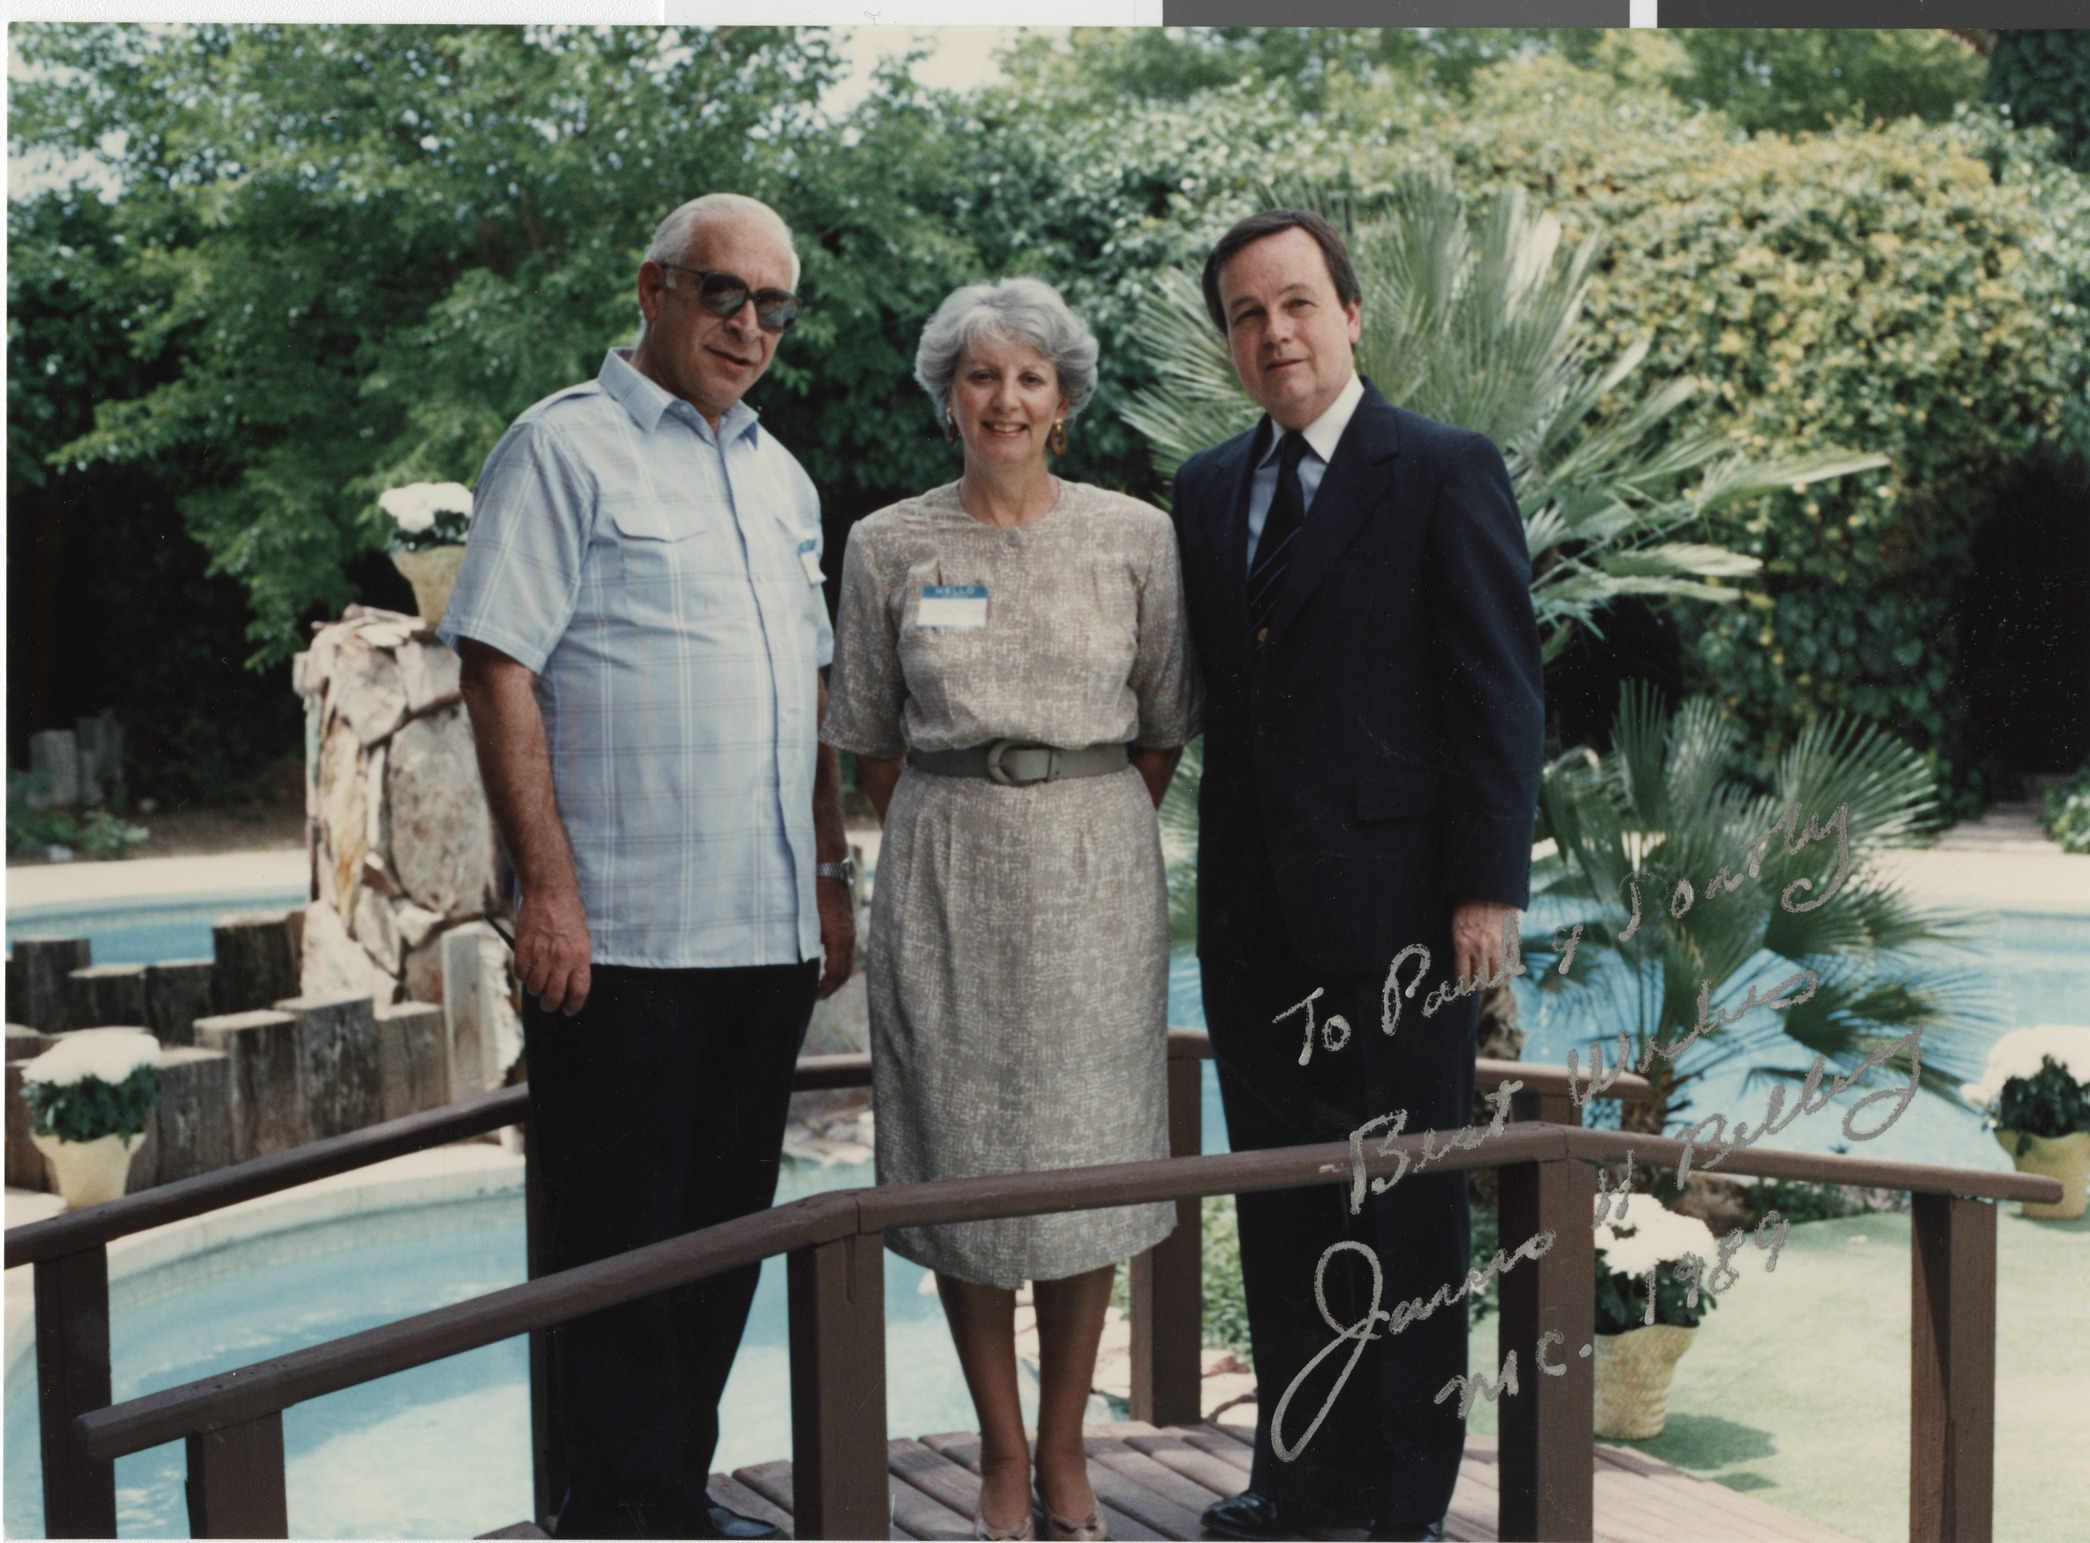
{"x":1273,"y":551}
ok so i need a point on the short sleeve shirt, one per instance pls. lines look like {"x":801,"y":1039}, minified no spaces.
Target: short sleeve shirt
{"x":663,"y":584}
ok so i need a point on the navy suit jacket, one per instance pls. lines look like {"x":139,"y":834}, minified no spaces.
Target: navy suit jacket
{"x":1386,"y":742}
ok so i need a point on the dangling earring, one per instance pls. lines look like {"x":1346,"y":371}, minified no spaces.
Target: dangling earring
{"x":950,"y":427}
{"x":1059,"y":437}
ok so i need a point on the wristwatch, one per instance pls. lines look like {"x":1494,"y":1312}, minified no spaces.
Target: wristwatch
{"x":845,"y":870}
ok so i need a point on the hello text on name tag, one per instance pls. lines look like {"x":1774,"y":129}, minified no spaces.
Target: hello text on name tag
{"x":953,"y":605}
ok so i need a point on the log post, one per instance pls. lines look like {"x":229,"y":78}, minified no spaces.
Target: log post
{"x":236,"y":1481}
{"x":256,"y":956}
{"x":72,"y":1378}
{"x":267,"y":1112}
{"x":177,"y":993}
{"x":1549,"y":1427}
{"x":102,"y":996}
{"x":337,"y":1060}
{"x":413,"y":1064}
{"x":43,"y":969}
{"x":838,"y":1441}
{"x":468,"y":1011}
{"x":1167,"y":1281}
{"x":1952,"y":1383}
{"x":191,"y":1130}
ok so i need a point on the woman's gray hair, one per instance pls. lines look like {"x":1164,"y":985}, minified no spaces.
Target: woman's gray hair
{"x":1013,"y":311}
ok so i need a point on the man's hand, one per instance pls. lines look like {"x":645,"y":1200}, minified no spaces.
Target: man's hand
{"x":1477,"y":938}
{"x":837,"y":934}
{"x":552,"y":949}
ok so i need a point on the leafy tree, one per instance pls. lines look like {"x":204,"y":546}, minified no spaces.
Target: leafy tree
{"x":1645,"y":837}
{"x":1310,"y":66}
{"x":380,"y":243}
{"x":107,"y":541}
{"x":1481,"y":326}
{"x":1792,"y":80}
{"x":2043,"y":76}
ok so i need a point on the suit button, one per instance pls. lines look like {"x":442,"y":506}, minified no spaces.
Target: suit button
{"x":1262,"y":634}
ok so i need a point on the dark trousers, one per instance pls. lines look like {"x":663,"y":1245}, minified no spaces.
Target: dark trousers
{"x":656,"y":1111}
{"x":1386,"y":1450}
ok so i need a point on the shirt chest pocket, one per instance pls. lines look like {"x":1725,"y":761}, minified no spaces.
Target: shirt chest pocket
{"x":663,"y":554}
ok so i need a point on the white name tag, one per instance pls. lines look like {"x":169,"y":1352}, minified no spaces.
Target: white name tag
{"x":953,"y":605}
{"x":809,"y":559}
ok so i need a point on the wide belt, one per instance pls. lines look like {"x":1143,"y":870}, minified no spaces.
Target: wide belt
{"x":1019,"y":763}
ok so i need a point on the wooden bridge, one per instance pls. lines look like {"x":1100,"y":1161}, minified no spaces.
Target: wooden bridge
{"x":1152,"y":1482}
{"x":1544,"y":1478}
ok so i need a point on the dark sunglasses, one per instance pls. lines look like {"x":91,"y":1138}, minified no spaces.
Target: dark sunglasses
{"x":723,"y":294}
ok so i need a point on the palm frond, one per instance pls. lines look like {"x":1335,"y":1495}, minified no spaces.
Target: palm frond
{"x":1475,"y":317}
{"x":1668,"y":805}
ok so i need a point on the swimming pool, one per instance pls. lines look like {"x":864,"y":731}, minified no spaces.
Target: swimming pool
{"x":145,"y":931}
{"x":442,"y":1450}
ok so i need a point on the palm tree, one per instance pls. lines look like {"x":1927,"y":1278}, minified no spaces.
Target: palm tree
{"x":1481,"y":327}
{"x":1665,"y":829}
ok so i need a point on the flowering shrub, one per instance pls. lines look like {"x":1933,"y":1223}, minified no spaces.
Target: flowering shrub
{"x":427,"y":514}
{"x":98,"y":1082}
{"x":1631,"y":1250}
{"x":2037,"y":1082}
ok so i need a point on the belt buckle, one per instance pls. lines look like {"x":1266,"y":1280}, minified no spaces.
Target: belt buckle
{"x":998,"y":773}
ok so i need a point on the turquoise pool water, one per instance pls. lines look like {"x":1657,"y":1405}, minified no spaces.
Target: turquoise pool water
{"x":442,"y":1451}
{"x":174,"y":928}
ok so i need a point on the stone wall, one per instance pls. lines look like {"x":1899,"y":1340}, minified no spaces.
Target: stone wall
{"x":402,"y":844}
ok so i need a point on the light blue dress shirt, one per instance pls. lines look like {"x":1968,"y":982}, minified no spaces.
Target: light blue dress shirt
{"x":663,"y":583}
{"x":1322,"y":436}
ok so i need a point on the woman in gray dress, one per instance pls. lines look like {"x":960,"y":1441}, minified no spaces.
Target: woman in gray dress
{"x":1018,"y":956}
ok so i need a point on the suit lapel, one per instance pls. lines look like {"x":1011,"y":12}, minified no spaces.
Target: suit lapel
{"x":1356,"y":483}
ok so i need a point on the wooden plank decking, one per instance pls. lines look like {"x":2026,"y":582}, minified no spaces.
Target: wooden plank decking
{"x":1153,"y":1481}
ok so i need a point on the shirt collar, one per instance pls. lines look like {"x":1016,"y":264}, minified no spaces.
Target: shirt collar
{"x":1326,"y":431}
{"x":648,"y":402}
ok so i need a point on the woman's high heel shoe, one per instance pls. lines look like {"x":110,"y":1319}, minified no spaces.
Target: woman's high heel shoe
{"x":1058,"y":1528}
{"x":1023,"y":1532}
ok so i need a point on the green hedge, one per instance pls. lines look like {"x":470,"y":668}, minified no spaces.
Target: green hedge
{"x":1918,"y":290}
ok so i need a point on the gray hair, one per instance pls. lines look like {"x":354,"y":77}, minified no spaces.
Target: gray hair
{"x":672,"y":241}
{"x":1013,"y":311}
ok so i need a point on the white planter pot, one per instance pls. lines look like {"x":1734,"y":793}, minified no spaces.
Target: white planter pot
{"x":89,"y":1172}
{"x":2066,"y":1158}
{"x":1633,"y":1371}
{"x":432,"y":573}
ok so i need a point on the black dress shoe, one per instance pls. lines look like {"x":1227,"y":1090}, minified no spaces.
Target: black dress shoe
{"x":728,"y":1523}
{"x":1252,"y":1514}
{"x":1416,"y":1532}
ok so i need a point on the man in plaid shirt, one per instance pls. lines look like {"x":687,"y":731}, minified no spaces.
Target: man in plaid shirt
{"x":644,"y":639}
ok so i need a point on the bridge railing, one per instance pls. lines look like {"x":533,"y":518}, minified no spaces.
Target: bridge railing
{"x":232,"y":1423}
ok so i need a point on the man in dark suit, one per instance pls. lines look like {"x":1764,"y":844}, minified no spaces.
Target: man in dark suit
{"x":1359,"y":592}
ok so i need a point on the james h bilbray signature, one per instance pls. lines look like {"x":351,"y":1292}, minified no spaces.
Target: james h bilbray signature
{"x":1690,"y":1271}
{"x":1334,"y":1034}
